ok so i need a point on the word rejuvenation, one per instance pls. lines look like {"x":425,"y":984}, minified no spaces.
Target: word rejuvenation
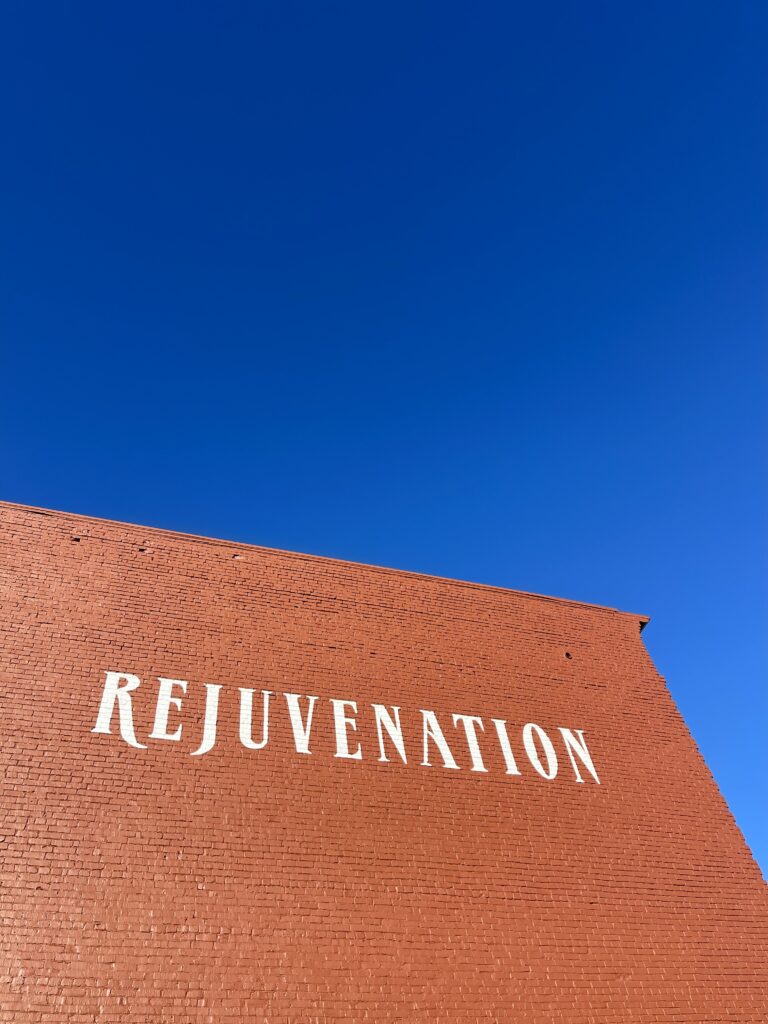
{"x":464,"y":730}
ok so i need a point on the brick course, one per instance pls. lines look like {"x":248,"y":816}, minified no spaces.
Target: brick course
{"x":263,"y":886}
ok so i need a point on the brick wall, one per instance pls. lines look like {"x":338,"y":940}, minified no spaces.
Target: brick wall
{"x":151,"y":885}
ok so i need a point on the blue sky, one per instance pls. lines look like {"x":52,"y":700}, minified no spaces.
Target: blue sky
{"x":474,"y":290}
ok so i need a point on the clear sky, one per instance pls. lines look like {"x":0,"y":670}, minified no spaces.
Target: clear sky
{"x":477,"y":290}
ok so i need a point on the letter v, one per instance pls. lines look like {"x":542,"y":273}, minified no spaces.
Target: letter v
{"x":301,"y":729}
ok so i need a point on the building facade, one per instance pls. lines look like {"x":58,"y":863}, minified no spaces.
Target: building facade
{"x":244,"y":785}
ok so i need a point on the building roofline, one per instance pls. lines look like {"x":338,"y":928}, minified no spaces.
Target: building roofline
{"x":643,"y":620}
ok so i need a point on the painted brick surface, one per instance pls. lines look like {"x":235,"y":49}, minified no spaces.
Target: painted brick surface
{"x":264,"y":886}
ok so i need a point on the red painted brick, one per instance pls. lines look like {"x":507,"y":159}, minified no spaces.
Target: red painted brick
{"x":268,"y":886}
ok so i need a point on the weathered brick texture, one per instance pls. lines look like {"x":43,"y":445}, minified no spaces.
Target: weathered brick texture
{"x":266,"y":886}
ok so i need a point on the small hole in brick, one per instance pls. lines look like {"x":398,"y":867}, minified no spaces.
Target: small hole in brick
{"x":142,"y":549}
{"x":568,"y":655}
{"x":76,"y":539}
{"x":237,"y":556}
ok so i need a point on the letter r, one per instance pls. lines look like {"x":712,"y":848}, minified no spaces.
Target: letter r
{"x":115,"y":693}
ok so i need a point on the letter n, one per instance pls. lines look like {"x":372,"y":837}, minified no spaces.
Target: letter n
{"x":579,"y":748}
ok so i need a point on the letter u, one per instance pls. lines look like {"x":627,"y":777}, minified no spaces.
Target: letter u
{"x":246,"y":719}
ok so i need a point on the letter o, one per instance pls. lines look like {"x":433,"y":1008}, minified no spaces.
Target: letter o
{"x":533,"y":755}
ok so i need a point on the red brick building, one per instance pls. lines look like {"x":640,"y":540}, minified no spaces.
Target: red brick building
{"x":246,"y":785}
